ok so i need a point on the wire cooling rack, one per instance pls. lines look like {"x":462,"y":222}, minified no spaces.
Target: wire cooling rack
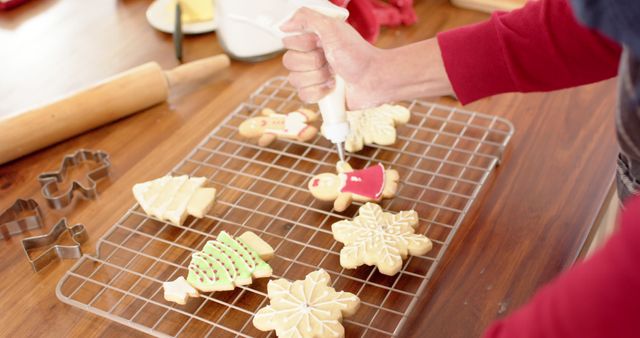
{"x":444,"y":156}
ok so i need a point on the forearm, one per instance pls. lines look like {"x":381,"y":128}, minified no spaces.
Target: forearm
{"x":540,"y":47}
{"x":409,"y":72}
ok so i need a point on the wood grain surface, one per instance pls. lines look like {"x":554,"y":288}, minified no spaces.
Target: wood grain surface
{"x":529,"y":224}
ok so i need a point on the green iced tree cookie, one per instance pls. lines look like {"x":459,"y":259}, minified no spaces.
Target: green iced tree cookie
{"x":228,"y":262}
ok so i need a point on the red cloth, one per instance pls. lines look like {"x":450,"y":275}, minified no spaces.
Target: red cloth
{"x":367,"y":16}
{"x":540,"y":47}
{"x":599,"y":297}
{"x":11,"y":4}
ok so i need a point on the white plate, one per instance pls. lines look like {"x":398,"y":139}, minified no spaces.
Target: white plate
{"x":162,"y":20}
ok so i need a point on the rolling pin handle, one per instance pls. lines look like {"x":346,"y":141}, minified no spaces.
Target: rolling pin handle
{"x":196,"y":70}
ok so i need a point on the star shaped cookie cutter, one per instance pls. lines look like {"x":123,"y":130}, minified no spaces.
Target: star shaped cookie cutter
{"x":78,"y":236}
{"x":13,"y":221}
{"x":49,"y":181}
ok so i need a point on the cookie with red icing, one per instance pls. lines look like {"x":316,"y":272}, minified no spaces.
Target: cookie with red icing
{"x":365,"y":185}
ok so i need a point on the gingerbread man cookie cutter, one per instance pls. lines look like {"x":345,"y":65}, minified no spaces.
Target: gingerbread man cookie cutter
{"x":13,"y":220}
{"x":55,"y":251}
{"x":49,"y":181}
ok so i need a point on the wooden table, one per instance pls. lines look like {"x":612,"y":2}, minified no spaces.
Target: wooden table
{"x":529,"y":224}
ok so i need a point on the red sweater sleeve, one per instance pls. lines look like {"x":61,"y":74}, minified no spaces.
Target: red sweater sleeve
{"x":599,"y":297}
{"x":539,"y":47}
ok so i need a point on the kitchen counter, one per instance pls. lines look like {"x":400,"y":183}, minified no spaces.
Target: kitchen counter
{"x":531,"y":221}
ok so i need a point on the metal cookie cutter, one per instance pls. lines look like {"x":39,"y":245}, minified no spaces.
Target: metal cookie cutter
{"x":49,"y":181}
{"x":78,"y":236}
{"x":13,"y":220}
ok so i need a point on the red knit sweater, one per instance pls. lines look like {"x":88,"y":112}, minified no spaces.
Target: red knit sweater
{"x":599,"y":297}
{"x":539,"y":48}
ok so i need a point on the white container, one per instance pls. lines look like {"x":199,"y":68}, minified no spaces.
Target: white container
{"x":249,"y":29}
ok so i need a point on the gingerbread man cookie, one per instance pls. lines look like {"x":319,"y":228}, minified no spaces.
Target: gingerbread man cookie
{"x":374,"y":126}
{"x":370,"y":184}
{"x":306,"y":308}
{"x":270,"y":126}
{"x":379,"y":238}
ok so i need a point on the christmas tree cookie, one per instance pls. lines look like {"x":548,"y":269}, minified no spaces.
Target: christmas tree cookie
{"x":222,"y":265}
{"x":172,"y":198}
{"x":226,"y":263}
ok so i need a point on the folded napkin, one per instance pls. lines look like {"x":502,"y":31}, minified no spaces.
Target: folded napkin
{"x":367,"y":16}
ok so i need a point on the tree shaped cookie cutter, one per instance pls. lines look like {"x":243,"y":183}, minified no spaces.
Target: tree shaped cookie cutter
{"x":13,"y":221}
{"x":49,"y":181}
{"x":53,"y":251}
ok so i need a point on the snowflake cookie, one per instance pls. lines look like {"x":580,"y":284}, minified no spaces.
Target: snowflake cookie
{"x":306,"y":308}
{"x":379,"y":238}
{"x":375,"y":126}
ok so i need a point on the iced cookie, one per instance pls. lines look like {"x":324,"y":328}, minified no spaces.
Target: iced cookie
{"x":222,"y":265}
{"x":375,"y":126}
{"x":270,"y":126}
{"x":306,"y":308}
{"x":366,"y":185}
{"x":172,"y":198}
{"x":379,"y":238}
{"x":179,"y":291}
{"x":226,"y":262}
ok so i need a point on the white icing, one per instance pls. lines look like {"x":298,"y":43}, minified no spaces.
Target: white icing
{"x":291,"y":124}
{"x":379,"y":238}
{"x":178,"y":291}
{"x":299,"y":311}
{"x":167,"y":198}
{"x":374,"y":126}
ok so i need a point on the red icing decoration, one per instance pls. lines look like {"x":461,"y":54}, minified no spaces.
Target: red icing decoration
{"x":368,"y":182}
{"x":315,"y":182}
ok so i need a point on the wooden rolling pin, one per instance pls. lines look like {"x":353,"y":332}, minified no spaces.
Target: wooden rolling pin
{"x":119,"y":96}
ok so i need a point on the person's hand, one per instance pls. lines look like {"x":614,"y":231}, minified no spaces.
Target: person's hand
{"x":328,"y":46}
